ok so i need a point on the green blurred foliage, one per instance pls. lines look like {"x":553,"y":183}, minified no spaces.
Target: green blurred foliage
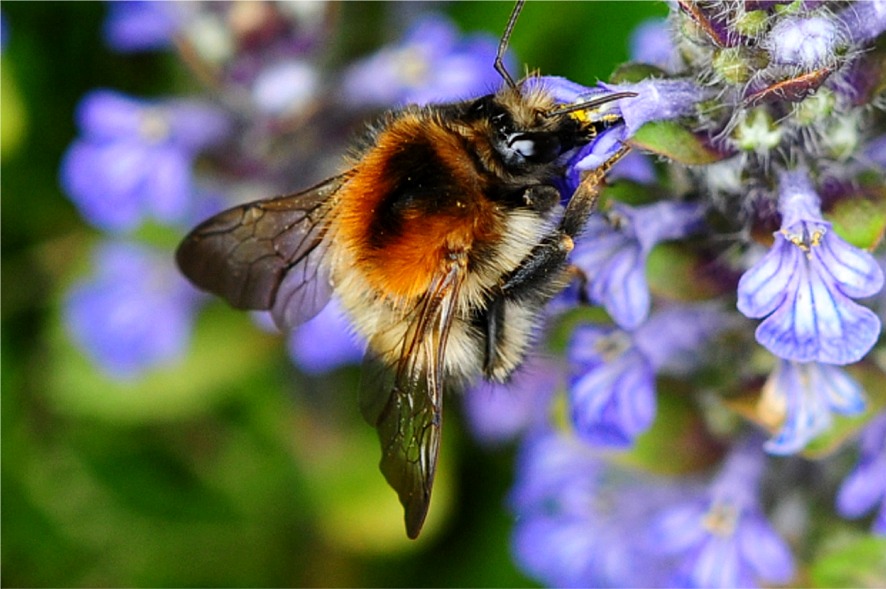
{"x":228,"y":468}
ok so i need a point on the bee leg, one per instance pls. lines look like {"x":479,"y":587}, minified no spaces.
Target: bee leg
{"x":540,"y":197}
{"x":493,"y":323}
{"x":584,"y":199}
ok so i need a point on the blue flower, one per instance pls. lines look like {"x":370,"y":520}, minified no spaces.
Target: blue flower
{"x":657,"y":100}
{"x":802,"y":398}
{"x":431,"y":64}
{"x":805,"y":284}
{"x":612,"y":389}
{"x":285,"y":88}
{"x":808,"y":42}
{"x":325,"y":342}
{"x":134,"y":313}
{"x":864,"y":21}
{"x":139,"y":25}
{"x":722,"y":538}
{"x":651,"y":43}
{"x":577,"y":517}
{"x":865,"y":487}
{"x":133,"y":159}
{"x":613,"y":250}
{"x":498,"y":413}
{"x":4,"y":32}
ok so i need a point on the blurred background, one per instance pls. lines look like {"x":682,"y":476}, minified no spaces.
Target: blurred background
{"x":155,"y":443}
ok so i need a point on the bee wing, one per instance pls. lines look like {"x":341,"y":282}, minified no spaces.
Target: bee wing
{"x":266,"y":255}
{"x":403,"y":400}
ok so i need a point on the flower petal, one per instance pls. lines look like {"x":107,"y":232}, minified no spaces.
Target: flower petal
{"x":763,"y":288}
{"x":854,"y":270}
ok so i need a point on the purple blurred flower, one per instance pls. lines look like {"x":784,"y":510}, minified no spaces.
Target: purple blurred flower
{"x":4,"y":32}
{"x":808,"y":42}
{"x":865,"y":487}
{"x":285,"y":88}
{"x":133,"y":159}
{"x":805,"y":284}
{"x":864,"y":21}
{"x":431,"y":64}
{"x":139,"y":25}
{"x":498,"y":413}
{"x":577,"y":517}
{"x":612,"y":389}
{"x":802,"y":397}
{"x":325,"y":342}
{"x":612,"y":253}
{"x":135,"y":313}
{"x":651,"y":43}
{"x":723,"y":539}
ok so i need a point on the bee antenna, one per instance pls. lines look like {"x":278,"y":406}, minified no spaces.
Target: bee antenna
{"x":588,"y":105}
{"x":503,"y":45}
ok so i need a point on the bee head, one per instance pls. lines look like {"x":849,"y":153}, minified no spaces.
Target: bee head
{"x":523,"y":136}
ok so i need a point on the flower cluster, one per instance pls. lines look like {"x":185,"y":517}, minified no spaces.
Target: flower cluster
{"x":725,"y":325}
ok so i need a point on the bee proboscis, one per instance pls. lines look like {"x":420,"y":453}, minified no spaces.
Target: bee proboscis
{"x":443,"y":240}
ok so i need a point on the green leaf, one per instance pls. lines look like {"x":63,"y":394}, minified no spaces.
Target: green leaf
{"x":860,"y":221}
{"x":857,"y":562}
{"x":669,"y":139}
{"x":631,"y":73}
{"x":678,"y":441}
{"x":226,"y":348}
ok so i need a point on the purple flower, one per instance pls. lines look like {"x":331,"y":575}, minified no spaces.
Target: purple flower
{"x":657,"y":100}
{"x":651,"y":43}
{"x":802,"y":397}
{"x":577,"y":517}
{"x":285,"y":88}
{"x":805,"y":284}
{"x":498,"y":413}
{"x":431,"y":64}
{"x":4,"y":32}
{"x":722,"y":538}
{"x":133,"y":159}
{"x":325,"y":342}
{"x":864,"y":21}
{"x":612,"y":253}
{"x":137,"y":25}
{"x":865,"y":487}
{"x":808,"y":42}
{"x":135,"y":313}
{"x":612,"y":389}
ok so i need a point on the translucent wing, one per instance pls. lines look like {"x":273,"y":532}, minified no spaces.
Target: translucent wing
{"x":403,"y":397}
{"x":266,"y":255}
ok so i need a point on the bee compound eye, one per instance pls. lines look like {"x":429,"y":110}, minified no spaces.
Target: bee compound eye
{"x":535,"y":147}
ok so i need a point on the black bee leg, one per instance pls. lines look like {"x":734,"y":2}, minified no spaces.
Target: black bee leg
{"x":584,"y":200}
{"x":540,"y":197}
{"x":493,"y":322}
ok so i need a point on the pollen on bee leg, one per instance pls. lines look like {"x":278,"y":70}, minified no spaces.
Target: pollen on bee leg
{"x":567,"y":244}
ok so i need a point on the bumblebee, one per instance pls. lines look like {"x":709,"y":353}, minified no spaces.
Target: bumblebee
{"x":443,"y":239}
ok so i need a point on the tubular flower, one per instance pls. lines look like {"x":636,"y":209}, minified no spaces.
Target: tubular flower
{"x":722,"y":538}
{"x":865,"y":487}
{"x":805,"y":284}
{"x":612,"y":254}
{"x":114,"y":314}
{"x":803,"y":397}
{"x":133,"y":160}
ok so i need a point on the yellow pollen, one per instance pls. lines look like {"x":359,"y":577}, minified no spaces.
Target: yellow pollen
{"x":721,"y":520}
{"x":154,"y":126}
